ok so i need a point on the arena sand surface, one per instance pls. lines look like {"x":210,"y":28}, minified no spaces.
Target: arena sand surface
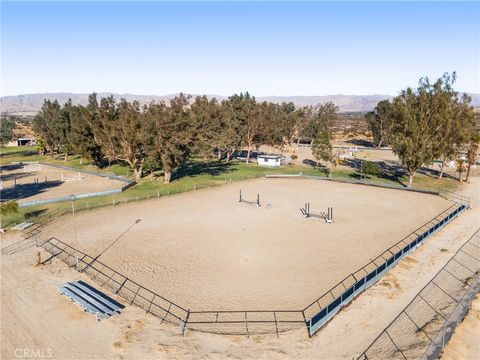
{"x":27,"y":190}
{"x":205,"y":251}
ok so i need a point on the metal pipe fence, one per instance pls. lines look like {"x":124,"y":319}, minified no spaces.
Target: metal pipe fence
{"x":117,"y":283}
{"x":423,"y":328}
{"x":320,"y":311}
{"x":40,"y":222}
{"x":352,"y":181}
{"x":111,"y":176}
{"x":249,"y":322}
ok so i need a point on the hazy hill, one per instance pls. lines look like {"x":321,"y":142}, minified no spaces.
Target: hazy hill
{"x":29,"y":104}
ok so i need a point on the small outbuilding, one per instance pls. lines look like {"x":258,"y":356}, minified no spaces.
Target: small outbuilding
{"x":270,"y":160}
{"x":24,"y":142}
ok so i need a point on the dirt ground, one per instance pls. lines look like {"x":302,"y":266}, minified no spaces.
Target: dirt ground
{"x":36,"y":319}
{"x":206,"y":251}
{"x":465,"y":342}
{"x":304,"y":155}
{"x":50,"y":184}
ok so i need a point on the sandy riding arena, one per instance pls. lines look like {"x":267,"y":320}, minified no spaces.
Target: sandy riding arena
{"x":30,"y":182}
{"x":206,"y":251}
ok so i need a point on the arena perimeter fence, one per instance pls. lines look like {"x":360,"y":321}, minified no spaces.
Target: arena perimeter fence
{"x":319,"y":312}
{"x":449,"y":195}
{"x":249,"y":322}
{"x":118,"y":196}
{"x":128,"y":183}
{"x":423,"y":328}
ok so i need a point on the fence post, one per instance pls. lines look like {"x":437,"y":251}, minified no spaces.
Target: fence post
{"x":184,"y":323}
{"x":276,"y":325}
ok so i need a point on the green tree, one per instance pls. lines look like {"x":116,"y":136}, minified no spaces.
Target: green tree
{"x":6,"y":130}
{"x":130,"y":138}
{"x":7,"y":208}
{"x":371,"y":168}
{"x":44,"y":124}
{"x":419,"y":117}
{"x":472,"y":153}
{"x":62,"y":127}
{"x":230,"y":137}
{"x":84,"y":120}
{"x":380,"y":122}
{"x":207,"y":126}
{"x":453,"y":117}
{"x":322,"y":147}
{"x":249,"y":116}
{"x":318,"y":118}
{"x":105,"y":126}
{"x":278,"y":124}
{"x":173,"y":133}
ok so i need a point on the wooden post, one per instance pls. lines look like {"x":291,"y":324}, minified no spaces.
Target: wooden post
{"x":39,"y":259}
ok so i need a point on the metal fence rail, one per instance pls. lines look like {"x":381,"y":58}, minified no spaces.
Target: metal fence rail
{"x":40,"y":222}
{"x":246,"y":322}
{"x":319,"y":312}
{"x":356,"y":182}
{"x":423,"y":328}
{"x":314,"y":316}
{"x":111,"y":176}
{"x":117,"y":283}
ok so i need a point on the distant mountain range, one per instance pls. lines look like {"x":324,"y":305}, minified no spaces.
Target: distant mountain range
{"x":29,"y":104}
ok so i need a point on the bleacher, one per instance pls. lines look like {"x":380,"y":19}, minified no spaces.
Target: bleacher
{"x":90,"y":299}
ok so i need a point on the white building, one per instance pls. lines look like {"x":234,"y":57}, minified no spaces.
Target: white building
{"x":270,"y":160}
{"x":23,"y":142}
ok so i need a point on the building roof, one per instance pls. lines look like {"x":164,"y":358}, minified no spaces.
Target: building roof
{"x":274,"y":156}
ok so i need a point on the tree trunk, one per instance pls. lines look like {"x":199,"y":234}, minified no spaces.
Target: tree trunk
{"x":249,"y":150}
{"x":137,"y":172}
{"x":219,"y":154}
{"x":411,"y":175}
{"x":442,"y":170}
{"x":468,"y":172}
{"x":229,"y":155}
{"x":66,"y":157}
{"x":167,"y":177}
{"x":81,"y":160}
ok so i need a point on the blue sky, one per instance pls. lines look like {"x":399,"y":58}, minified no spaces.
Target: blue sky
{"x":267,"y":48}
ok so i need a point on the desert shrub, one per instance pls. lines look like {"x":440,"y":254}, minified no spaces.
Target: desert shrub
{"x":371,"y":168}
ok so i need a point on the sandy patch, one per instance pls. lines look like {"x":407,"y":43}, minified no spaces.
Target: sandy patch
{"x":205,"y":251}
{"x":50,"y":184}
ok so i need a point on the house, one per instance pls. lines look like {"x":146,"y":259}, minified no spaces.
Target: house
{"x":23,"y":142}
{"x":270,"y":160}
